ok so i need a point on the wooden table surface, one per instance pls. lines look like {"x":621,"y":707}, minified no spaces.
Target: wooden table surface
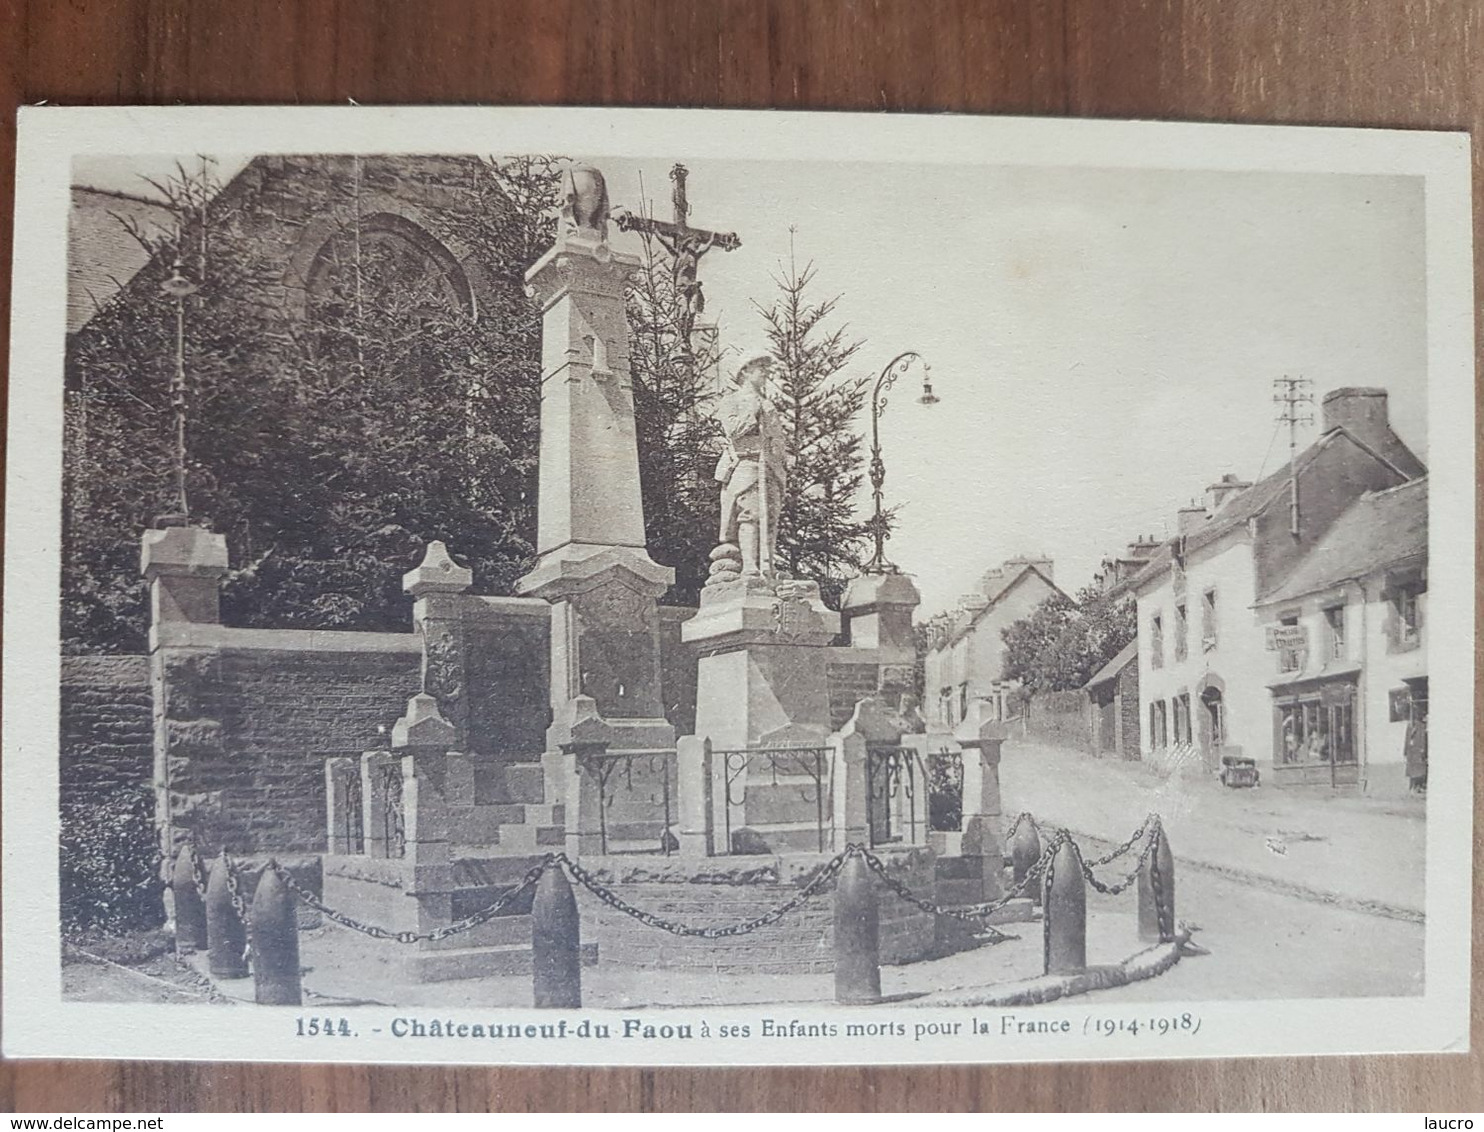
{"x":1411,"y":63}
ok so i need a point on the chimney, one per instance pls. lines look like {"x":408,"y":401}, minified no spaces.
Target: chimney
{"x":1039,"y":561}
{"x":1187,"y":519}
{"x":1223,"y":490}
{"x":1361,"y":411}
{"x":1143,"y":547}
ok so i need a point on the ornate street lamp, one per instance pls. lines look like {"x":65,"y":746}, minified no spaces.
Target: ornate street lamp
{"x":877,"y":524}
{"x":179,"y":287}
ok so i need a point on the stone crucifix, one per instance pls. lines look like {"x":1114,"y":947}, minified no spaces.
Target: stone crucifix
{"x":686,"y":246}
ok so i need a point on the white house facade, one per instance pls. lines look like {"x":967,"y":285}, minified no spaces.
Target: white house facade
{"x":1347,"y":660}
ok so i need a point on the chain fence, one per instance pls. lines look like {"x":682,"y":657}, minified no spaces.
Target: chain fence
{"x":976,"y":914}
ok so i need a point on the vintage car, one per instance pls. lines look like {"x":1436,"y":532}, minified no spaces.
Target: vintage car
{"x":1239,"y":770}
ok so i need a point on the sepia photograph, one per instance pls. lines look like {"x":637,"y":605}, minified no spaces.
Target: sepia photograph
{"x":655,"y":587}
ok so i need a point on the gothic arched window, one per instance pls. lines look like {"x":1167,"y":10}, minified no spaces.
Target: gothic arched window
{"x":384,"y":291}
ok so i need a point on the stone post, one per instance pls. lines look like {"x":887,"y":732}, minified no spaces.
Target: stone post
{"x":190,"y":910}
{"x":578,"y":734}
{"x":1156,"y":891}
{"x":1065,"y":902}
{"x":184,"y":568}
{"x":851,"y":816}
{"x":422,"y":737}
{"x":981,"y":838}
{"x":869,"y":724}
{"x":857,"y":936}
{"x":226,"y":934}
{"x":556,"y":943}
{"x":437,"y":612}
{"x":694,"y":787}
{"x":343,"y":819}
{"x":275,"y":942}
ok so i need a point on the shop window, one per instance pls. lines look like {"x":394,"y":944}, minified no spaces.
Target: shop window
{"x":1316,"y":729}
{"x":1182,"y":631}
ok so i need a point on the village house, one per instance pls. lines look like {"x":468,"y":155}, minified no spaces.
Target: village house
{"x":966,"y":662}
{"x":1204,"y":666}
{"x":1347,"y":669}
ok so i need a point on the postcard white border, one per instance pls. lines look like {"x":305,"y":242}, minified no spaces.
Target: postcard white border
{"x":37,"y":1023}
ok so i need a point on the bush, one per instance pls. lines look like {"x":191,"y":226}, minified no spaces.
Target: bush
{"x":109,"y":865}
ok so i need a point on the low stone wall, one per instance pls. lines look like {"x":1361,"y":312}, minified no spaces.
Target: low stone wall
{"x":1062,"y":719}
{"x":106,"y":727}
{"x":730,"y":890}
{"x":247,"y":717}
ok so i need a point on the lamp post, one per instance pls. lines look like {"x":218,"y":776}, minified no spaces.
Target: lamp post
{"x":179,"y":287}
{"x":878,"y":525}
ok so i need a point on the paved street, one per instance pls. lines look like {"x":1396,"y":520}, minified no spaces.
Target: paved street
{"x":1336,"y":912}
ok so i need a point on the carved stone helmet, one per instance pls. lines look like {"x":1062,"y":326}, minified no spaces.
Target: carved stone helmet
{"x":586,"y":204}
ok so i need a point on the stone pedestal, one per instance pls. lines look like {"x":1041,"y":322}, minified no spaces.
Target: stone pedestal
{"x":761,"y":683}
{"x":763,"y":654}
{"x":981,"y":840}
{"x":184,"y":567}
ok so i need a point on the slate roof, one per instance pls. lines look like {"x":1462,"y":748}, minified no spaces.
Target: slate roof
{"x":1126,"y":656}
{"x":1380,"y":529}
{"x":1011,"y":582}
{"x":1257,"y":498}
{"x":101,"y":256}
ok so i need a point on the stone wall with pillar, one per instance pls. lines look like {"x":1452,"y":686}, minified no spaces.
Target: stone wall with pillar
{"x":244,"y":719}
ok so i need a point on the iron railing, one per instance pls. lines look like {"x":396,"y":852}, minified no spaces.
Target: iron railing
{"x":945,"y":781}
{"x":895,"y":778}
{"x":393,"y":819}
{"x":352,"y":820}
{"x":650,"y":762}
{"x":813,"y":765}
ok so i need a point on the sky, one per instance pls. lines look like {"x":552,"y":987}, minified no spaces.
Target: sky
{"x":1103,"y":341}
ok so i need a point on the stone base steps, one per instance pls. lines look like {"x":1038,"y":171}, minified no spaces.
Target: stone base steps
{"x":446,"y":965}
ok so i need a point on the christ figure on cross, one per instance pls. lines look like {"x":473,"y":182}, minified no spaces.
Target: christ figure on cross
{"x":686,"y":246}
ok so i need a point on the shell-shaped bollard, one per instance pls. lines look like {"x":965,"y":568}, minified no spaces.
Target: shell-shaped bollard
{"x":274,"y":917}
{"x":226,"y":934}
{"x":190,"y":909}
{"x":556,"y":943}
{"x":1157,"y":892}
{"x":1064,"y":894}
{"x":857,"y":935}
{"x":1025,"y":851}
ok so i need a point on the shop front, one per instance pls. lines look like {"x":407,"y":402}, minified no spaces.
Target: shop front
{"x":1315,"y":731}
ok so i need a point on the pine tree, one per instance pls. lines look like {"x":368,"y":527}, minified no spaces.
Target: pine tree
{"x":329,"y":443}
{"x":679,"y":440}
{"x":821,"y":535}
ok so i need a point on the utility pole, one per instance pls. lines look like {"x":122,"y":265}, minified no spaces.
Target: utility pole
{"x":1295,"y":403}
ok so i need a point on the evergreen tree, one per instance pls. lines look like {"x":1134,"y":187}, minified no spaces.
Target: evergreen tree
{"x":1062,"y":643}
{"x":679,"y":440}
{"x":329,"y":442}
{"x":821,"y":535}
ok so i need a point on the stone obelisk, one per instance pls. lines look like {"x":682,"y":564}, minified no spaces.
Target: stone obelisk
{"x":592,"y":565}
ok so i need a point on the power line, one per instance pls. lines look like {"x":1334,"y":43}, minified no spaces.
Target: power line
{"x":1295,"y":408}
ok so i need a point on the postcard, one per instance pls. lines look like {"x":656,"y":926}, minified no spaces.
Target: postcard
{"x":611,"y":587}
